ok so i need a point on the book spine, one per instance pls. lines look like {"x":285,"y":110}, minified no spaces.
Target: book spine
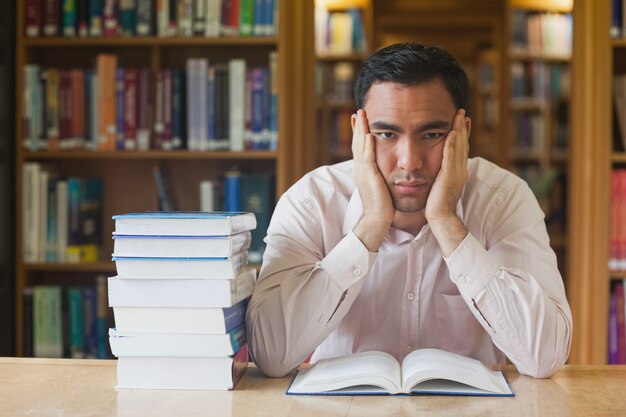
{"x":163,"y":17}
{"x":130,"y":109}
{"x":51,"y":17}
{"x":178,"y":90}
{"x":90,"y":321}
{"x":127,"y":17}
{"x":159,"y":112}
{"x":110,"y":16}
{"x":119,"y":109}
{"x":199,"y":17}
{"x":32,"y":18}
{"x":236,"y":91}
{"x":273,"y":105}
{"x":95,"y":17}
{"x":167,"y":109}
{"x":76,"y":322}
{"x":28,"y":321}
{"x":143,"y":110}
{"x":144,"y":17}
{"x":69,"y":18}
{"x":232,"y":190}
{"x":102,"y":313}
{"x":246,"y":17}
{"x":82,"y":16}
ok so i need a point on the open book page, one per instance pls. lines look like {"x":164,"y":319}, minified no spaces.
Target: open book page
{"x":435,"y":366}
{"x":377,"y":369}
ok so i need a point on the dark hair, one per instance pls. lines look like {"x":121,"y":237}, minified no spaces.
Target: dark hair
{"x":412,"y":64}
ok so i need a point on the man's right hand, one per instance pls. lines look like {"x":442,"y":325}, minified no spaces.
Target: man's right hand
{"x":378,"y":210}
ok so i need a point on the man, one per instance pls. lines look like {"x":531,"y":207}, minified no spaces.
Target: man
{"x":410,"y":245}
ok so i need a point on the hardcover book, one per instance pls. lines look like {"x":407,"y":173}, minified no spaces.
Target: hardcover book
{"x":182,"y":372}
{"x":180,"y":268}
{"x":181,"y":292}
{"x":180,"y":320}
{"x":184,"y":223}
{"x":172,"y":344}
{"x":181,"y":246}
{"x":422,"y":372}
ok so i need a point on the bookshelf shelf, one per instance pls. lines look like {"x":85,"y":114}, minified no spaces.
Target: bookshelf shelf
{"x":124,"y":42}
{"x":356,"y":57}
{"x":344,"y":38}
{"x":619,"y":157}
{"x":150,"y":155}
{"x":525,"y":55}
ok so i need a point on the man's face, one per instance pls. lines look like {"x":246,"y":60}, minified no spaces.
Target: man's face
{"x":409,"y":124}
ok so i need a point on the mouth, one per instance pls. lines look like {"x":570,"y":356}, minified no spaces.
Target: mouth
{"x":412,"y":187}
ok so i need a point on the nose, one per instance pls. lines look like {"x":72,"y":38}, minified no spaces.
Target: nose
{"x":409,"y":154}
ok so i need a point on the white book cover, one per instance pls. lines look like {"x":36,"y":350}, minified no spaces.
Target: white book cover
{"x":181,"y":292}
{"x":180,"y":320}
{"x":180,"y":268}
{"x":184,"y":223}
{"x":181,"y":373}
{"x":172,"y":344}
{"x":236,"y":100}
{"x":62,"y":220}
{"x":181,"y":246}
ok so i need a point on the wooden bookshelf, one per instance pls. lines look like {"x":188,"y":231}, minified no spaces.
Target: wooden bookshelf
{"x":335,"y":76}
{"x":591,"y":161}
{"x":532,"y":111}
{"x":128,"y":183}
{"x":7,"y":150}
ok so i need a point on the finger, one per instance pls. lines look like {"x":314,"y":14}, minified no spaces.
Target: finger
{"x":358,"y":137}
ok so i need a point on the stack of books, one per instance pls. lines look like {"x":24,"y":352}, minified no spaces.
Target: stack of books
{"x":179,"y":299}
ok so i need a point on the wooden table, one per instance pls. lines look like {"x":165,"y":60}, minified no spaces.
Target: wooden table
{"x":71,"y":387}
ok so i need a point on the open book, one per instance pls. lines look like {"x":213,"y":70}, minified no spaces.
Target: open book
{"x":423,"y":371}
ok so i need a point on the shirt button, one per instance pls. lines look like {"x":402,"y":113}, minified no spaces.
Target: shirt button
{"x":462,"y":280}
{"x":410,"y":296}
{"x":414,"y":244}
{"x":329,"y":324}
{"x":357,"y":272}
{"x":409,"y":348}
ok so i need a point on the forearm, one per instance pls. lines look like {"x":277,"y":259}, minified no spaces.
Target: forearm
{"x":524,"y":310}
{"x":295,"y":306}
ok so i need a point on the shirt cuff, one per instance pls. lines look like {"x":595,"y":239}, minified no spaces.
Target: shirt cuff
{"x":471,"y":267}
{"x":348,"y":262}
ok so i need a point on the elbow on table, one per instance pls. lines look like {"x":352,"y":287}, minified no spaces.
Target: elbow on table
{"x":272,"y":367}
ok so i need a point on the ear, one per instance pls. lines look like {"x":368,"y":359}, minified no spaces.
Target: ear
{"x":353,"y":121}
{"x":468,"y":126}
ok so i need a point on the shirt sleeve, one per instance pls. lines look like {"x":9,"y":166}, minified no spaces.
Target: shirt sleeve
{"x":302,"y":291}
{"x":514,"y":289}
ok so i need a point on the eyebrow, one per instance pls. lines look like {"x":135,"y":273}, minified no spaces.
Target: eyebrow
{"x":435,"y":124}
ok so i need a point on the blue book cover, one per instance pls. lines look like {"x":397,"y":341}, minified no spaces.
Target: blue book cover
{"x":232,"y":191}
{"x":90,"y":321}
{"x":234,"y":316}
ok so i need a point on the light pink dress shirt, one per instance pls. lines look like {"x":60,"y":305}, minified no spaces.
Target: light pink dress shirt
{"x":499,"y":293}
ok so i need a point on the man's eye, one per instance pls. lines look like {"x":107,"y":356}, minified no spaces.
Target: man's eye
{"x":386,"y":135}
{"x":434,"y":135}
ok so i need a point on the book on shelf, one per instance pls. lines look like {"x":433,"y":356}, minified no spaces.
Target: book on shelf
{"x":180,"y":246}
{"x":176,"y":344}
{"x":190,"y":223}
{"x":193,"y":293}
{"x":180,"y":268}
{"x":208,"y":320}
{"x":257,"y":196}
{"x":422,"y":372}
{"x":201,"y":373}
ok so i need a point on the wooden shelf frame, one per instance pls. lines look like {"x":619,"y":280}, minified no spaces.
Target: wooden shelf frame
{"x":289,"y":162}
